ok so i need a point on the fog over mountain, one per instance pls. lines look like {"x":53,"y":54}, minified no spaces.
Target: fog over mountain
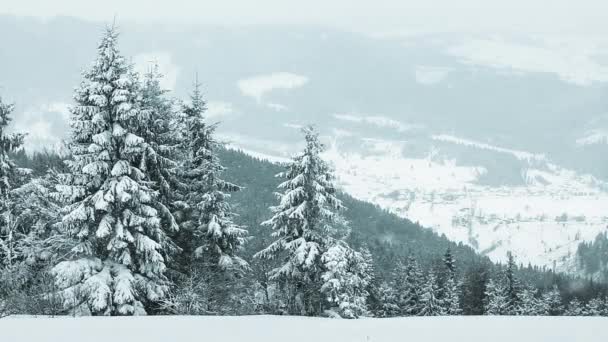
{"x":486,"y":137}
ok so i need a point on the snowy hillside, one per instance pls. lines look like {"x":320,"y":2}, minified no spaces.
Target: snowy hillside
{"x":541,"y":220}
{"x":303,"y":329}
{"x":438,"y":180}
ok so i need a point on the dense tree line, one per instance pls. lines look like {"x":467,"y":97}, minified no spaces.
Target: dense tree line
{"x":147,"y":213}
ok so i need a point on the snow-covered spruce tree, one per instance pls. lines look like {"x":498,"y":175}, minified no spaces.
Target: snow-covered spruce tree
{"x":529,"y":303}
{"x":430,"y":302}
{"x":552,"y":302}
{"x":595,"y":307}
{"x":28,"y":211}
{"x":345,"y":281}
{"x":209,"y":239}
{"x":575,"y":308}
{"x":304,"y":224}
{"x":408,"y":284}
{"x":451,"y":292}
{"x":511,"y":285}
{"x":451,"y":297}
{"x":34,"y":212}
{"x":496,"y":300}
{"x":10,"y":178}
{"x":388,"y":306}
{"x":117,"y":265}
{"x":214,"y":235}
{"x":157,"y":126}
{"x":373,"y":301}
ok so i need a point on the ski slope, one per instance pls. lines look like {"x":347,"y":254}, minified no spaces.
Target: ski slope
{"x":302,"y":329}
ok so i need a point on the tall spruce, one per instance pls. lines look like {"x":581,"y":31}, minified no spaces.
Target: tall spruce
{"x":451,"y":289}
{"x":511,"y":285}
{"x":10,"y":178}
{"x":552,"y":304}
{"x":430,"y":302}
{"x":117,"y":265}
{"x":409,"y":285}
{"x":304,"y":225}
{"x":496,"y":300}
{"x":157,"y":126}
{"x":210,"y":231}
{"x":529,"y":303}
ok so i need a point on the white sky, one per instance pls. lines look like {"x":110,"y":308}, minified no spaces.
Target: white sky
{"x":372,"y":16}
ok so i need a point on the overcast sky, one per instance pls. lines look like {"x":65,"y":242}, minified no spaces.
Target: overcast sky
{"x":372,"y":16}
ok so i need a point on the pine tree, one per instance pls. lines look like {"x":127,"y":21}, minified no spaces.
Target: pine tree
{"x":449,"y":263}
{"x":511,"y":285}
{"x":529,"y":304}
{"x":409,"y":283}
{"x":118,"y":263}
{"x":209,"y":228}
{"x":451,"y":287}
{"x":474,"y":287}
{"x":345,"y":281}
{"x":305,"y":223}
{"x":496,"y":300}
{"x":451,"y":297}
{"x":370,"y":272}
{"x":431,"y":304}
{"x":10,"y":178}
{"x":388,"y":301}
{"x":157,"y":126}
{"x":552,"y":302}
{"x":595,"y":307}
{"x":575,"y":308}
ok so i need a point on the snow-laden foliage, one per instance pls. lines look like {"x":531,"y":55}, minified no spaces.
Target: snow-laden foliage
{"x":409,"y":283}
{"x":511,"y":285}
{"x":451,"y":297}
{"x":496,"y":299}
{"x":157,"y":126}
{"x":451,"y":292}
{"x":575,"y":308}
{"x":552,"y":304}
{"x":388,"y":301}
{"x":10,"y":178}
{"x":529,"y":302}
{"x":305,"y":223}
{"x":118,"y":262}
{"x":430,"y":302}
{"x":596,"y":307}
{"x":209,"y":230}
{"x":345,"y":281}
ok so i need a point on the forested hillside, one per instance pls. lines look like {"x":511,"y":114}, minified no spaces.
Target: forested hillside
{"x":145,"y":212}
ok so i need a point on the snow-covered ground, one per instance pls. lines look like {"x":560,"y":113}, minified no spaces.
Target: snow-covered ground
{"x":302,"y":329}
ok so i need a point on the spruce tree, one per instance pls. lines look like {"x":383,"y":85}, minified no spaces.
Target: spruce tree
{"x":451,"y":292}
{"x":388,"y":305}
{"x":511,"y":285}
{"x":210,"y":231}
{"x":157,"y":126}
{"x":345,"y":281}
{"x":118,"y":263}
{"x":529,"y":303}
{"x":496,"y":299}
{"x":575,"y":308}
{"x":304,"y":226}
{"x":430,"y":302}
{"x":552,"y":302}
{"x":10,"y":178}
{"x":409,"y":283}
{"x":595,"y":307}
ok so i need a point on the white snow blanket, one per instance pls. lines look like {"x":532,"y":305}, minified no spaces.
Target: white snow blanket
{"x":301,"y":329}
